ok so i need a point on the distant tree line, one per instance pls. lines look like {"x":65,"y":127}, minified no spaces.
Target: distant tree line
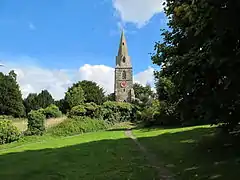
{"x":11,"y":102}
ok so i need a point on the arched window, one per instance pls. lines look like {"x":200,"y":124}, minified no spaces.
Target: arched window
{"x":124,"y":75}
{"x":124,"y":59}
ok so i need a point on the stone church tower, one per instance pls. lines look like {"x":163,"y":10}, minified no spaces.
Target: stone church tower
{"x":123,"y":85}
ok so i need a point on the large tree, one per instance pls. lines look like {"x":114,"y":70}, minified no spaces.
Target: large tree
{"x":74,"y":96}
{"x":143,"y":93}
{"x":200,"y":55}
{"x":36,"y":101}
{"x":31,"y":102}
{"x":11,"y":102}
{"x":45,"y":99}
{"x":92,"y":91}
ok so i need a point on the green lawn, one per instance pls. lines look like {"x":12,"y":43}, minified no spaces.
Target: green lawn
{"x":189,"y":153}
{"x":102,"y":155}
{"x":194,"y":152}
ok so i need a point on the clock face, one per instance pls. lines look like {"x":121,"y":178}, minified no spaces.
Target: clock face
{"x":123,"y":84}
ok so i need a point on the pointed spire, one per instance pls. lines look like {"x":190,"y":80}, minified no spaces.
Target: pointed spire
{"x":123,"y":51}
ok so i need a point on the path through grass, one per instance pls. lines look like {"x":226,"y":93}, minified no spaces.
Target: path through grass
{"x":194,"y":153}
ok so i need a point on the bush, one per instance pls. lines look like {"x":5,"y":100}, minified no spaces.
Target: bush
{"x":78,"y":125}
{"x":91,"y":110}
{"x":118,"y":111}
{"x":8,"y":132}
{"x":77,"y":111}
{"x":160,"y":113}
{"x":52,"y":111}
{"x":35,"y":123}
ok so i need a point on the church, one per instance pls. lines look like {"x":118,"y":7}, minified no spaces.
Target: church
{"x":123,"y":84}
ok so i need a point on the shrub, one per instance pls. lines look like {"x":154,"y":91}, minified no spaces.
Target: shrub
{"x":8,"y":132}
{"x":159,"y":113}
{"x":78,"y":125}
{"x":35,"y":123}
{"x":52,"y":111}
{"x":77,"y":111}
{"x":92,"y":110}
{"x":118,"y":111}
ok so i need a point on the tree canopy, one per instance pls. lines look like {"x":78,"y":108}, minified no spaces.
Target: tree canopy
{"x":200,"y":56}
{"x":36,"y":101}
{"x":11,"y":102}
{"x":92,"y":91}
{"x":74,"y":96}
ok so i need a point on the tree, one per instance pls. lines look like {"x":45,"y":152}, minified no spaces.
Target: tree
{"x":36,"y":101}
{"x":11,"y":102}
{"x":92,"y":91}
{"x":110,"y":97}
{"x":62,"y":105}
{"x":45,"y":99}
{"x":200,"y":55}
{"x":74,"y":96}
{"x":31,"y":102}
{"x":144,"y":94}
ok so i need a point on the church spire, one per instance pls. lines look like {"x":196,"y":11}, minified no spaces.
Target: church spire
{"x":123,"y":50}
{"x":123,"y":59}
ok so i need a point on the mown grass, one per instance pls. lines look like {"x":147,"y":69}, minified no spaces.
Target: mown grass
{"x":194,"y":153}
{"x":191,"y":153}
{"x":101,"y":155}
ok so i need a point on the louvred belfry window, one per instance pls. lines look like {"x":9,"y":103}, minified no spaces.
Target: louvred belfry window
{"x":124,"y":75}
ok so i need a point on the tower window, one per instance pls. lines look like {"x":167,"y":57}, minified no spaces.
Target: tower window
{"x":124,"y":75}
{"x":124,"y":90}
{"x":124,"y":59}
{"x":123,"y":43}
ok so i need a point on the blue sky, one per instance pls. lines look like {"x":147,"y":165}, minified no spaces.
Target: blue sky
{"x":70,"y":36}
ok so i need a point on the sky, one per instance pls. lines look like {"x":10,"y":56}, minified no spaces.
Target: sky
{"x":51,"y":44}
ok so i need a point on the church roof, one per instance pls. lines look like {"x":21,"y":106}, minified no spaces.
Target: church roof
{"x":123,"y":50}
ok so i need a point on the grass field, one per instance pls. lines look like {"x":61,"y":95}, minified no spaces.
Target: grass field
{"x":103,"y":155}
{"x":194,"y":152}
{"x":190,"y":153}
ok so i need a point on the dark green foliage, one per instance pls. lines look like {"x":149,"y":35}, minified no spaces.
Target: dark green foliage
{"x":52,"y":111}
{"x":143,"y":94}
{"x":110,"y":97}
{"x":36,"y":122}
{"x":200,"y":55}
{"x":8,"y":132}
{"x":62,"y":105}
{"x":36,"y":101}
{"x":45,"y":99}
{"x":91,"y":110}
{"x":11,"y":102}
{"x":118,"y":111}
{"x":92,"y":91}
{"x":78,"y":125}
{"x":77,"y":111}
{"x":74,"y":96}
{"x":31,"y":102}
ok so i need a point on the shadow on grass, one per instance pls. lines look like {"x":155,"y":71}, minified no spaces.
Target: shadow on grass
{"x":194,"y":154}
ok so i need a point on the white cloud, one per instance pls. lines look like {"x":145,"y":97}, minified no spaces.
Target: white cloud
{"x":101,"y":74}
{"x":138,"y":12}
{"x":31,"y":26}
{"x":145,"y":77}
{"x":34,"y":79}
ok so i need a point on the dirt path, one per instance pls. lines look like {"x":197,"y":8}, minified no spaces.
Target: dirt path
{"x":163,"y":173}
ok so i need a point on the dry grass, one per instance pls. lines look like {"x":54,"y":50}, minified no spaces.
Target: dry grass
{"x":54,"y":121}
{"x":21,"y":124}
